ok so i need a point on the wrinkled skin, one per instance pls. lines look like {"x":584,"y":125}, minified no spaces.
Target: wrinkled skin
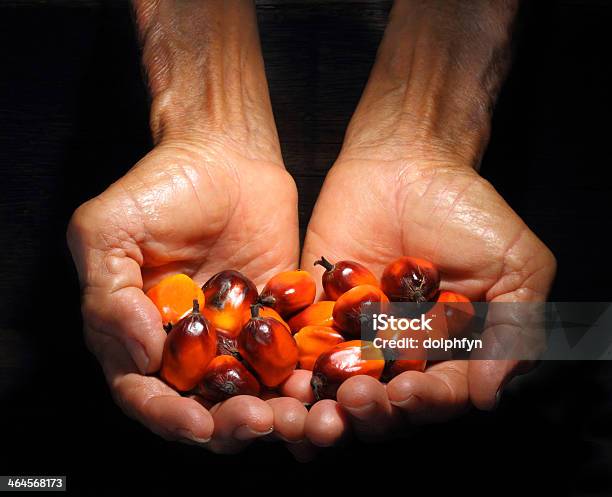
{"x":442,"y":211}
{"x":187,"y":207}
{"x":198,"y":206}
{"x":405,"y":184}
{"x":156,"y":222}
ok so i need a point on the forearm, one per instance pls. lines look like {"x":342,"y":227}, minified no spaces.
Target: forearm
{"x":205,"y":70}
{"x":437,"y":75}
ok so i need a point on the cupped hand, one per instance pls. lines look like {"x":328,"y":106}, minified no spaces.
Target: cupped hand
{"x":379,"y":203}
{"x":193,"y":207}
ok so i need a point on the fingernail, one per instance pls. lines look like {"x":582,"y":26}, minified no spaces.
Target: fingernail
{"x":361,"y":411}
{"x":138,"y":354}
{"x":498,"y":396}
{"x":500,"y":391}
{"x":412,"y":404}
{"x":186,"y":436}
{"x":245,"y":432}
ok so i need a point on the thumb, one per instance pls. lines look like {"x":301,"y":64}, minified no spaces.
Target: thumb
{"x":513,"y":340}
{"x":113,"y":302}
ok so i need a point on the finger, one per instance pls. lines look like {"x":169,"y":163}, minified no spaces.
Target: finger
{"x":487,"y":380}
{"x":370,"y":413}
{"x":129,"y":316}
{"x":326,"y":424}
{"x":514,"y":328}
{"x":155,"y":404}
{"x":113,"y":301}
{"x":513,"y":339}
{"x":289,"y":419}
{"x":238,"y":421}
{"x":436,"y":395}
{"x":298,"y":386}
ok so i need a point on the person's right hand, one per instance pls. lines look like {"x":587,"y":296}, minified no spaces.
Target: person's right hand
{"x":213,"y":194}
{"x":193,"y":207}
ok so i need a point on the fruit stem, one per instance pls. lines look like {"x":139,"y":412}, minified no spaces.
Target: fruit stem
{"x":196,"y":306}
{"x":268,"y":301}
{"x":255,"y":310}
{"x":325,"y":263}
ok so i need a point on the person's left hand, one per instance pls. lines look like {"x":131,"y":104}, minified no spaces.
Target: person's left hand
{"x":378,"y":204}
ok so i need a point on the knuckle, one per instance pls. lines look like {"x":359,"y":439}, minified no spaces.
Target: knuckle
{"x":83,"y":214}
{"x":84,"y":223}
{"x":550,"y":261}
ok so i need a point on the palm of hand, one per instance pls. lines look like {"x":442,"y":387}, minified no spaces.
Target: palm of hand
{"x":448,"y":215}
{"x":186,"y":209}
{"x":198,"y":211}
{"x":373,"y":212}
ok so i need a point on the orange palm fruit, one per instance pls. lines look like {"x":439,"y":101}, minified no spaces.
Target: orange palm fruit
{"x":268,"y":347}
{"x":343,"y":361}
{"x":228,"y":295}
{"x":173,"y":296}
{"x":189,"y":347}
{"x":312,"y":341}
{"x":409,"y":279}
{"x":226,"y":377}
{"x":317,"y":314}
{"x":351,"y":308}
{"x":340,"y":277}
{"x":289,"y":292}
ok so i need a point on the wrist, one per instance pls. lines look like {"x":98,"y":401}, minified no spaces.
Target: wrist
{"x":206,"y":75}
{"x":435,"y":81}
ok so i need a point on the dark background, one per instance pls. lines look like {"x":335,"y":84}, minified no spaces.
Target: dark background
{"x":73,"y":117}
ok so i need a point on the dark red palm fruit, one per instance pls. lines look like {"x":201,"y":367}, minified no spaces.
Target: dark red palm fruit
{"x":340,"y":277}
{"x":350,"y":310}
{"x":406,"y":359}
{"x":317,"y":314}
{"x":399,"y":366}
{"x":409,"y":279}
{"x":188,"y":349}
{"x":451,"y":316}
{"x":289,"y":292}
{"x":343,"y":361}
{"x":457,"y":311}
{"x":226,"y":377}
{"x":398,"y":359}
{"x":268,"y":347}
{"x":228,"y":295}
{"x":265,"y":312}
